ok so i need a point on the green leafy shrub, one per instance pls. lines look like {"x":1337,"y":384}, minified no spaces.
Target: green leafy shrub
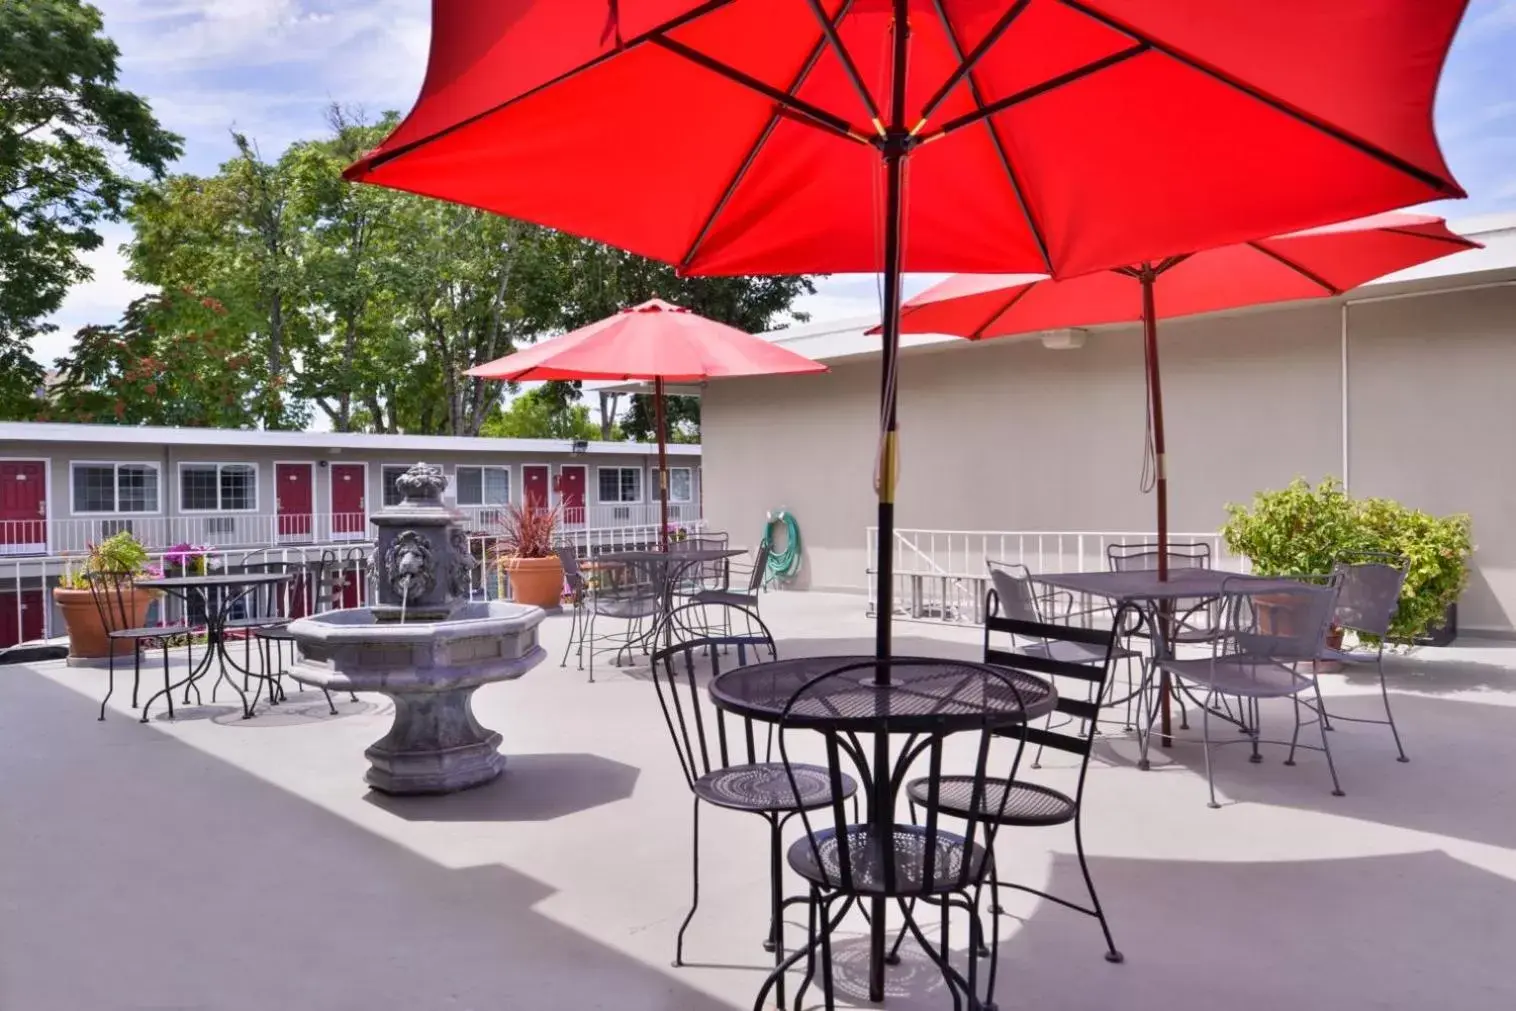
{"x":1301,"y":530}
{"x":117,"y":553}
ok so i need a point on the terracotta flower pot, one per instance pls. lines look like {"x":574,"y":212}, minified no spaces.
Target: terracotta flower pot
{"x":537,"y":581}
{"x":1333,"y":641}
{"x":86,"y":631}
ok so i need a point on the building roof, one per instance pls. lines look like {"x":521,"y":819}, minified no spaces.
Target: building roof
{"x":335,"y":442}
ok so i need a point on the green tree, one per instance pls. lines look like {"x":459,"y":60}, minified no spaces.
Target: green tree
{"x":681,"y":419}
{"x":145,"y":370}
{"x":66,"y":133}
{"x":538,"y":414}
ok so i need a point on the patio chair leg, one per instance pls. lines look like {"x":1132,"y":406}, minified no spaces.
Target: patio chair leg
{"x":1389,"y":715}
{"x":1326,"y":748}
{"x":1255,"y":726}
{"x":573,"y":627}
{"x":168,"y":690}
{"x":330,"y":705}
{"x":989,"y":990}
{"x":1146,"y":714}
{"x":592,"y":649}
{"x":1111,"y":953}
{"x":110,"y":686}
{"x":1295,"y":737}
{"x":135,"y":670}
{"x":776,"y":911}
{"x":828,"y":992}
{"x":1205,"y":736}
{"x":694,"y":877}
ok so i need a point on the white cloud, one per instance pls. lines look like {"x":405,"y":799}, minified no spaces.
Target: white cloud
{"x":98,"y":300}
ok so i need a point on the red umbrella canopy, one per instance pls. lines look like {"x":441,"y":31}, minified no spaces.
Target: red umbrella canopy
{"x":1309,"y":264}
{"x":655,"y":340}
{"x":1050,"y":136}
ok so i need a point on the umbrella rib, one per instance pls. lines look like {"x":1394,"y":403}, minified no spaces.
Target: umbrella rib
{"x":1309,"y":275}
{"x":1452,"y":240}
{"x":1000,"y":311}
{"x":1432,"y":179}
{"x":752,"y":154}
{"x":966,"y":64}
{"x":1005,"y":158}
{"x":808,"y":113}
{"x":1026,"y":94}
{"x":829,"y":32}
{"x":668,"y":26}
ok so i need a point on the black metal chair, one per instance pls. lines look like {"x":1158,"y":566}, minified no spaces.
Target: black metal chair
{"x":114,"y":594}
{"x":1060,"y":652}
{"x":325,"y":581}
{"x":700,"y":576}
{"x":1369,"y":585}
{"x":629,"y":591}
{"x":1268,"y":648}
{"x":847,"y":861}
{"x":747,"y":596}
{"x":578,"y":586}
{"x":727,"y":765}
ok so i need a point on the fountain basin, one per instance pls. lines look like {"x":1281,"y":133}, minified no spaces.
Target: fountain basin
{"x":430,"y":669}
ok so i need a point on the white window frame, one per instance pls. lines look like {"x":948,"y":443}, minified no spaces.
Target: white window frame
{"x":115,"y":465}
{"x":218,"y":464}
{"x":510,"y":485}
{"x":641,"y":486}
{"x":682,"y":501}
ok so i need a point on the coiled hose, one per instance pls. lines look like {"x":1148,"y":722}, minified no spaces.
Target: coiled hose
{"x":784,"y":563}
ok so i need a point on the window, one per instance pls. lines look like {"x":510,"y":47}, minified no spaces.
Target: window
{"x":218,"y":487}
{"x":681,"y":484}
{"x":483,"y":486}
{"x":620,"y":484}
{"x":387,"y":477}
{"x":115,"y":487}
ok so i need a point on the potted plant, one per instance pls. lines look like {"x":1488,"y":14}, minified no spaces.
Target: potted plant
{"x":524,"y":552}
{"x":186,"y":559}
{"x":87,"y":638}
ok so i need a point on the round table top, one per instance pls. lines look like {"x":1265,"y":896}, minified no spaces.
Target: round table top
{"x":926,"y":694}
{"x":214,"y":579}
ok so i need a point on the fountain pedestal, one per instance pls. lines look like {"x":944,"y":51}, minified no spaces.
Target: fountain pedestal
{"x":423,"y":647}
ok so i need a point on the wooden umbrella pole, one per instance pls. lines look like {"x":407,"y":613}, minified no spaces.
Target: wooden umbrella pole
{"x":663,"y":464}
{"x":1160,"y":483}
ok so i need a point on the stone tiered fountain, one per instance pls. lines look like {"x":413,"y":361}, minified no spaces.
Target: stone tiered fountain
{"x":424,"y":644}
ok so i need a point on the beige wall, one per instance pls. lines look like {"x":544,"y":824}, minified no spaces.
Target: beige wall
{"x":1009,"y":435}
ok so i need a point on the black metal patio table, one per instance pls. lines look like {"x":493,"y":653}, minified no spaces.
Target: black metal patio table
{"x":925,"y":695}
{"x":1143,"y":589}
{"x":219,"y":594}
{"x":668,"y":567}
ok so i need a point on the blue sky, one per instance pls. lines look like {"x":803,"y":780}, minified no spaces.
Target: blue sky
{"x":269,"y":68}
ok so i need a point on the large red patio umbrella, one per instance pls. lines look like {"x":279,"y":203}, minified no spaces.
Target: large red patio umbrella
{"x":658,"y":341}
{"x":1060,"y":136}
{"x":1315,"y":263}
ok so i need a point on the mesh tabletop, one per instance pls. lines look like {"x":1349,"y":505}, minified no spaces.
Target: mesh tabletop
{"x":220,"y":579}
{"x":926,"y":694}
{"x":1143,"y":584}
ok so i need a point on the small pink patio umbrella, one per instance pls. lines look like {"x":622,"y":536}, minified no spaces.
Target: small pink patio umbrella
{"x":656,"y":340}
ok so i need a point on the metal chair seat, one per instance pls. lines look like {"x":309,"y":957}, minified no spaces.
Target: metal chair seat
{"x":909,"y":850}
{"x":765,"y":787}
{"x":1029,"y":804}
{"x":1241,"y":676}
{"x":725,"y":598}
{"x":151,"y":632}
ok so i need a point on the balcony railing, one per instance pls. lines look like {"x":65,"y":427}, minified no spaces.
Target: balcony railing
{"x":940,"y":575}
{"x":26,"y":582}
{"x":250,"y":530}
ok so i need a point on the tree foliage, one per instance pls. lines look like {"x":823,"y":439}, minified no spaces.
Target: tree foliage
{"x":536,"y":414}
{"x":67,"y":133}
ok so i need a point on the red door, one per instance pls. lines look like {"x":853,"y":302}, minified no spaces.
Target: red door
{"x":534,"y":481}
{"x":348,"y":500}
{"x":571,"y":478}
{"x":23,"y":505}
{"x":20,"y":617}
{"x":295,"y":500}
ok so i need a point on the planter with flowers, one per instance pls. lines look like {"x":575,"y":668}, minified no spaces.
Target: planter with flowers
{"x":87,"y":638}
{"x":524,"y":552}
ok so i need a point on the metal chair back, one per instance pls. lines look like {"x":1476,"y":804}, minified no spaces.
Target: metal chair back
{"x":760,"y":567}
{"x":1276,"y":626}
{"x":912,"y":860}
{"x":707,"y":738}
{"x":1144,"y":557}
{"x":709,"y":575}
{"x":630,"y":589}
{"x":573,"y":575}
{"x":1369,"y":594}
{"x":114,"y":594}
{"x":1013,"y":592}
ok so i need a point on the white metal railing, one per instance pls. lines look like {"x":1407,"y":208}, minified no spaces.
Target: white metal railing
{"x":248,"y":530}
{"x":940,"y":574}
{"x":26,"y":582}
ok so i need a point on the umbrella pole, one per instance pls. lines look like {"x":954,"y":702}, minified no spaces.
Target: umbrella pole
{"x":663,"y":464}
{"x":896,"y":143}
{"x":1161,"y":481}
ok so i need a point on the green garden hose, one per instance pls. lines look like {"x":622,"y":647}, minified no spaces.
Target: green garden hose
{"x":784,"y":563}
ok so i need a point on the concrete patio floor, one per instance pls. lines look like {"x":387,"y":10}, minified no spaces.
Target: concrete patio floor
{"x":216,"y":863}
